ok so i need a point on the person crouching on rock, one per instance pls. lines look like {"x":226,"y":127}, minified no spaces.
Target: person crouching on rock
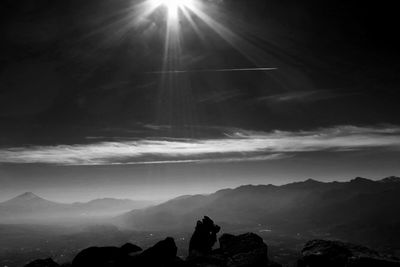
{"x":203,"y":238}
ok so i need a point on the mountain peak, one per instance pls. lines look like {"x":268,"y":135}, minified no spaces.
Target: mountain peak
{"x":312,"y":181}
{"x":23,"y":199}
{"x":360,"y":180}
{"x":304,"y":184}
{"x":391,"y":179}
{"x":27,"y":196}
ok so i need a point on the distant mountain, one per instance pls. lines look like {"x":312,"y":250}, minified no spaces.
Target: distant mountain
{"x":109,"y":205}
{"x":30,"y":208}
{"x":28,"y":199}
{"x":360,"y":208}
{"x":391,"y":179}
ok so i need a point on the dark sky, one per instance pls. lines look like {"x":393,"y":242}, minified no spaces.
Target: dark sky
{"x":97,"y":99}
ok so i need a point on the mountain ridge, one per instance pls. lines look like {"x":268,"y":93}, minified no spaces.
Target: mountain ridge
{"x":27,"y":196}
{"x":360,"y":208}
{"x":31,"y":208}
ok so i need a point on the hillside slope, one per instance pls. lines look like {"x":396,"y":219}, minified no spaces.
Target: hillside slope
{"x":360,"y":208}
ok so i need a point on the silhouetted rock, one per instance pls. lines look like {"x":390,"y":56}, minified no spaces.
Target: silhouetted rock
{"x":42,"y":263}
{"x":244,"y":250}
{"x":161,"y":254}
{"x":213,"y":260}
{"x":232,"y":245}
{"x":105,"y":256}
{"x":129,"y":248}
{"x":203,"y":238}
{"x":323,"y":253}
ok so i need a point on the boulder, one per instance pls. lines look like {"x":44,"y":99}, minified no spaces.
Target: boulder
{"x":105,"y":256}
{"x":43,"y":263}
{"x":129,"y":248}
{"x":232,"y":245}
{"x":161,"y":254}
{"x":213,"y":260}
{"x":246,"y":250}
{"x":325,"y":253}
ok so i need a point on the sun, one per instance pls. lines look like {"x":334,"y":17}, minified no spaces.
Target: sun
{"x":173,"y":3}
{"x":173,"y":6}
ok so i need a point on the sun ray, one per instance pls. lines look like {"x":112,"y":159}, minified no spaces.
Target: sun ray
{"x":174,"y":17}
{"x":186,"y":8}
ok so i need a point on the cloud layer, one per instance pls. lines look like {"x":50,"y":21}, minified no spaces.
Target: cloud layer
{"x":237,"y":145}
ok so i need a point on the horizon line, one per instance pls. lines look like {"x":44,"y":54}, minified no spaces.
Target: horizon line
{"x":159,"y":201}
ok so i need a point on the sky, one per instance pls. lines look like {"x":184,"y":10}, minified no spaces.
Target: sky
{"x":148,"y":99}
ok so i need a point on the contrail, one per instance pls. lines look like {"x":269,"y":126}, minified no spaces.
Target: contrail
{"x":210,"y":70}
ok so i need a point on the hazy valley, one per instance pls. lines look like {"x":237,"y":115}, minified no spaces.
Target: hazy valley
{"x":361,"y":211}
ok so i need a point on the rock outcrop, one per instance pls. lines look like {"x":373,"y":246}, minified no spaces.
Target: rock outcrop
{"x":323,"y":253}
{"x":245,"y":250}
{"x":105,"y":256}
{"x":129,"y":248}
{"x":42,"y":263}
{"x":162,"y":254}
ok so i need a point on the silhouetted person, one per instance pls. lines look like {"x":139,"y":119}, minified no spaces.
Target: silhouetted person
{"x":203,"y":238}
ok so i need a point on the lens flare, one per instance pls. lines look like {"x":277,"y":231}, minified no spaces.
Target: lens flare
{"x":173,"y":6}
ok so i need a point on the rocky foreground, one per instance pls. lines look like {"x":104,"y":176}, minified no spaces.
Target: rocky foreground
{"x":246,"y":250}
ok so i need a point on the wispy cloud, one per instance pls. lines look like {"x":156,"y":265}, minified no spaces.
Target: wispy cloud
{"x":237,"y":145}
{"x":306,"y":96}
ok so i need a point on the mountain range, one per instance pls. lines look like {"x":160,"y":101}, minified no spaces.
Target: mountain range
{"x":360,"y":210}
{"x":30,"y":208}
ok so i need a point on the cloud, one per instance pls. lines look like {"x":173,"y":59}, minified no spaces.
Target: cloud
{"x":210,"y":160}
{"x":305,"y":96}
{"x":237,"y":145}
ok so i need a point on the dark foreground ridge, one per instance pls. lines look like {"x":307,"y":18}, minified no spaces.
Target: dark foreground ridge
{"x":245,"y":250}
